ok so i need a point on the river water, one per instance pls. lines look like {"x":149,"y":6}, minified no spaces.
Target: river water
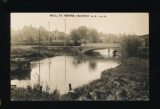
{"x":60,"y":71}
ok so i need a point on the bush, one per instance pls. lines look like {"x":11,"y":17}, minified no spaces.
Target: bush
{"x":129,"y":46}
{"x":143,"y":52}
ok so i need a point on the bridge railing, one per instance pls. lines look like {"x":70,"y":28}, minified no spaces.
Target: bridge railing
{"x":100,"y":45}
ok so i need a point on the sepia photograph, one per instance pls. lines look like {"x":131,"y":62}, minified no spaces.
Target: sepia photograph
{"x":79,"y":56}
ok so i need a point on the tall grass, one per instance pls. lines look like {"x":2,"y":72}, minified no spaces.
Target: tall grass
{"x":34,"y":94}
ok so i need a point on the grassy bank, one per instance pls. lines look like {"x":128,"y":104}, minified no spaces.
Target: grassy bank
{"x":33,"y":53}
{"x":128,"y":81}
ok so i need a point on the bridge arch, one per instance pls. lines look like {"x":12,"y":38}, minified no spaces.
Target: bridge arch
{"x":84,"y":50}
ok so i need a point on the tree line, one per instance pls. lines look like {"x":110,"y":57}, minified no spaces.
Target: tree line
{"x":81,"y":34}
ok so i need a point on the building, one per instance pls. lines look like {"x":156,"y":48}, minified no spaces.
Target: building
{"x":144,"y":40}
{"x":29,"y":33}
{"x":44,"y":33}
{"x":33,"y":34}
{"x":15,"y":35}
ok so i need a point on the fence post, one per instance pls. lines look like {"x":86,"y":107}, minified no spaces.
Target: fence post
{"x":108,"y":52}
{"x":70,"y":87}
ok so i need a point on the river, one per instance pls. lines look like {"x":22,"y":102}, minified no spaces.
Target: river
{"x":57,"y":72}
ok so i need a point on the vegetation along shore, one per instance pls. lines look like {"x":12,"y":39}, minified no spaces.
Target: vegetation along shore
{"x":128,"y":81}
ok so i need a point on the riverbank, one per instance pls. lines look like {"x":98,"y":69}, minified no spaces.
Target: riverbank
{"x":34,"y":53}
{"x":128,"y":81}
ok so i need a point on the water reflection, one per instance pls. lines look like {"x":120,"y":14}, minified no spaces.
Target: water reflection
{"x":77,"y":60}
{"x":21,"y":75}
{"x":107,"y":53}
{"x":92,"y":65}
{"x":59,"y":71}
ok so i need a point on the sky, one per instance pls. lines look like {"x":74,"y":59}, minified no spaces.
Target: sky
{"x":128,"y":23}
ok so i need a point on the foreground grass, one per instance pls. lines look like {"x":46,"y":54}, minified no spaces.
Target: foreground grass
{"x":129,"y":81}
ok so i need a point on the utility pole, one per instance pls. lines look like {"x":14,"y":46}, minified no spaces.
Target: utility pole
{"x":49,"y":58}
{"x":65,"y":45}
{"x":39,"y":39}
{"x":65,"y":32}
{"x":49,"y":34}
{"x":39,"y":55}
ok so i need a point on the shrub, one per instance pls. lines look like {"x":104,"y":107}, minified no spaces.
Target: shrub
{"x":129,"y":46}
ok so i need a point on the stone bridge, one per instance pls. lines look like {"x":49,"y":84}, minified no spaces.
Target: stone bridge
{"x":95,"y":46}
{"x":91,"y":46}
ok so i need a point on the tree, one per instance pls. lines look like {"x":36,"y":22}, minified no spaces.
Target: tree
{"x":129,"y":45}
{"x":84,"y":33}
{"x":75,"y":35}
{"x":94,"y":35}
{"x":61,"y":36}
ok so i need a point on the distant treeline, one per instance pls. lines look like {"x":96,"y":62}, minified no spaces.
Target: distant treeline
{"x":82,"y":34}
